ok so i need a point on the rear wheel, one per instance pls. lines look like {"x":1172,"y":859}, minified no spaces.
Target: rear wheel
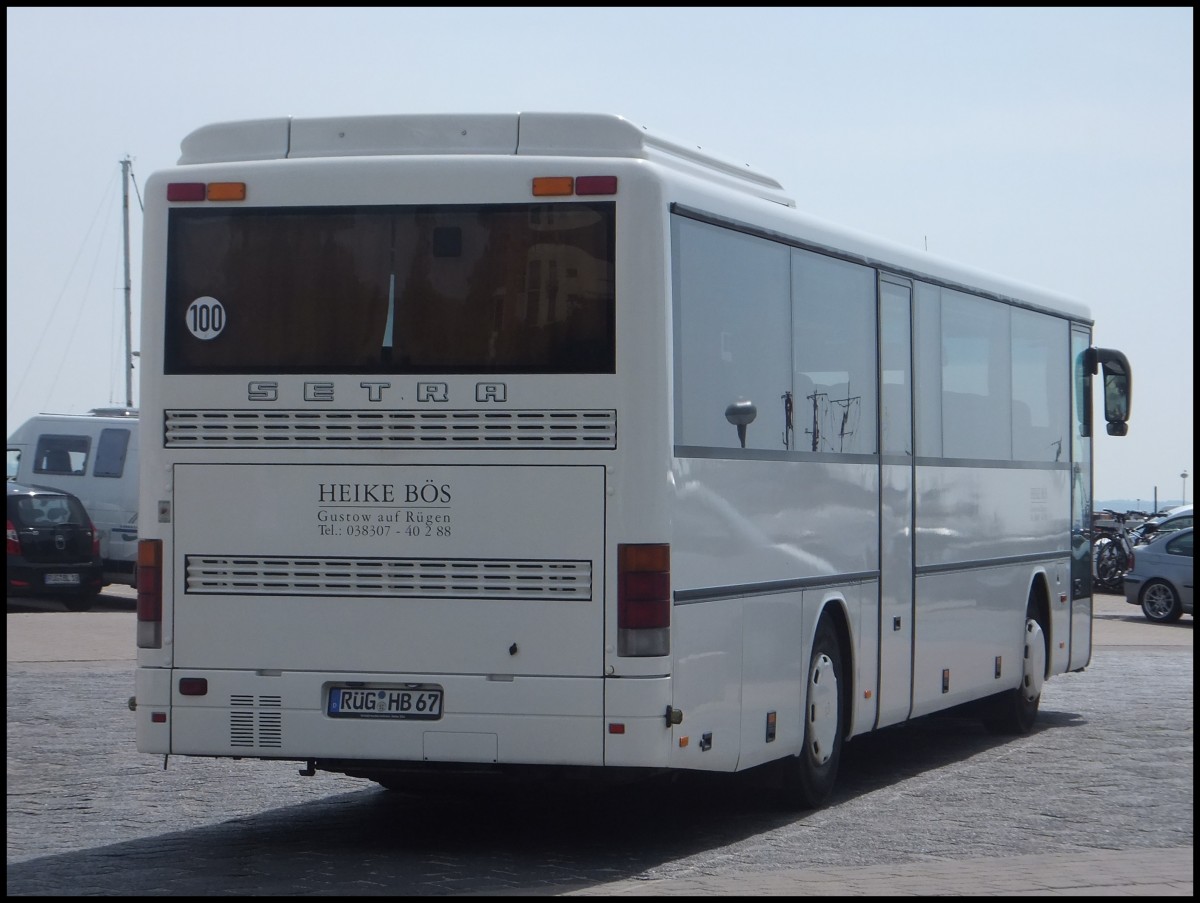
{"x":808,"y":778}
{"x":82,"y":602}
{"x":1160,"y":602}
{"x":1014,"y":711}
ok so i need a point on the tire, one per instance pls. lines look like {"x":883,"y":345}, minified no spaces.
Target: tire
{"x":82,"y":601}
{"x":809,"y":777}
{"x":1097,"y":548}
{"x":1015,"y":711}
{"x":79,"y":603}
{"x":1160,"y":602}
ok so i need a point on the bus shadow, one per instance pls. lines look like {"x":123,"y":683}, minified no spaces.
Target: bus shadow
{"x":506,"y":840}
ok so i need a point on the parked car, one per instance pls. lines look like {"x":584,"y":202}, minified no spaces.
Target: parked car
{"x":53,"y":547}
{"x":1160,"y":577}
{"x":1174,"y":519}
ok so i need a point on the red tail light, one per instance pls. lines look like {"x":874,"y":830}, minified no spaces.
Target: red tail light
{"x":14,"y":541}
{"x":149,"y":594}
{"x":643,"y":599}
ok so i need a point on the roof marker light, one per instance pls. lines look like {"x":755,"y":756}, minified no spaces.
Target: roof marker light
{"x":553,"y":186}
{"x":596,"y":185}
{"x":227,"y":191}
{"x":186,"y":191}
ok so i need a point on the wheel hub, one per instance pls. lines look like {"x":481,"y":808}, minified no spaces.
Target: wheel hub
{"x":822,"y":709}
{"x":1035,"y":661}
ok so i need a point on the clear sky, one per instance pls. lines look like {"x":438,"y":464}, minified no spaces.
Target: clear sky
{"x":1053,"y":146}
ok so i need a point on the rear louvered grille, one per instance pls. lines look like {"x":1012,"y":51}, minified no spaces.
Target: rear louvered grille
{"x":255,"y":721}
{"x":461,"y":578}
{"x":391,"y":429}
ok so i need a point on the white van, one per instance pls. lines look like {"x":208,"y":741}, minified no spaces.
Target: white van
{"x":94,"y":456}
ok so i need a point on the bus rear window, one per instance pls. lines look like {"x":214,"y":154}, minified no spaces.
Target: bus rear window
{"x":452,"y":289}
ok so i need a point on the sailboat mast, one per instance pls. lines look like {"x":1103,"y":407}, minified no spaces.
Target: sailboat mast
{"x":125,"y":164}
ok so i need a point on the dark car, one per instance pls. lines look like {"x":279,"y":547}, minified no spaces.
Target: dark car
{"x":53,"y":547}
{"x":1160,"y":576}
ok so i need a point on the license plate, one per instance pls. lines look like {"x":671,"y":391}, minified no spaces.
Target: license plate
{"x":62,"y":580}
{"x":419,"y":703}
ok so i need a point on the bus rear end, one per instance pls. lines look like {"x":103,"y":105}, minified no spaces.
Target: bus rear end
{"x":381,"y":475}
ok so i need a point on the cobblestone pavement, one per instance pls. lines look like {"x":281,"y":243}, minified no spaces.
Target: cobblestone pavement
{"x":1098,"y":799}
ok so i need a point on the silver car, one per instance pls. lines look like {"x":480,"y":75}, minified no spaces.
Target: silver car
{"x":1174,"y":519}
{"x":1160,"y":576}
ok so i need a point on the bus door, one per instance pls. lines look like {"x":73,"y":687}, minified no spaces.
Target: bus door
{"x":896,"y":610}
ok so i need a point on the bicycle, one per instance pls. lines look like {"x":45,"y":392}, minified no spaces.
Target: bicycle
{"x":1114,"y":552}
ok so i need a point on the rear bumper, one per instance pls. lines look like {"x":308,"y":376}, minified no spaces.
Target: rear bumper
{"x":486,"y":720}
{"x":32,"y":579}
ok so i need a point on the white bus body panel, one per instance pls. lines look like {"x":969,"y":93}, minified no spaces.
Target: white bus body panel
{"x":777,"y":534}
{"x":957,"y":532}
{"x":530,"y":720}
{"x":457,"y":603}
{"x":519,"y":660}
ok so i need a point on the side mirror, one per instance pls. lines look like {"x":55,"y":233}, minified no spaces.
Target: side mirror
{"x":741,"y":414}
{"x":1117,"y":386}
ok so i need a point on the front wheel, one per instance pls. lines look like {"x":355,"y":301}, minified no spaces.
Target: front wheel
{"x":808,"y":778}
{"x":1160,"y":602}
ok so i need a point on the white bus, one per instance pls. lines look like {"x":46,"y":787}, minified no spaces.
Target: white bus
{"x":536,"y":445}
{"x":93,"y":456}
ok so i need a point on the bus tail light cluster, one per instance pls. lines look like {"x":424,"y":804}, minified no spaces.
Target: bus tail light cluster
{"x":206,"y":191}
{"x":643,"y":599}
{"x":149,"y":594}
{"x":581,"y":186}
{"x":543,"y":186}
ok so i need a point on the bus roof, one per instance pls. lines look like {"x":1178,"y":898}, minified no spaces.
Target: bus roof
{"x":519,"y":134}
{"x":564,"y":135}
